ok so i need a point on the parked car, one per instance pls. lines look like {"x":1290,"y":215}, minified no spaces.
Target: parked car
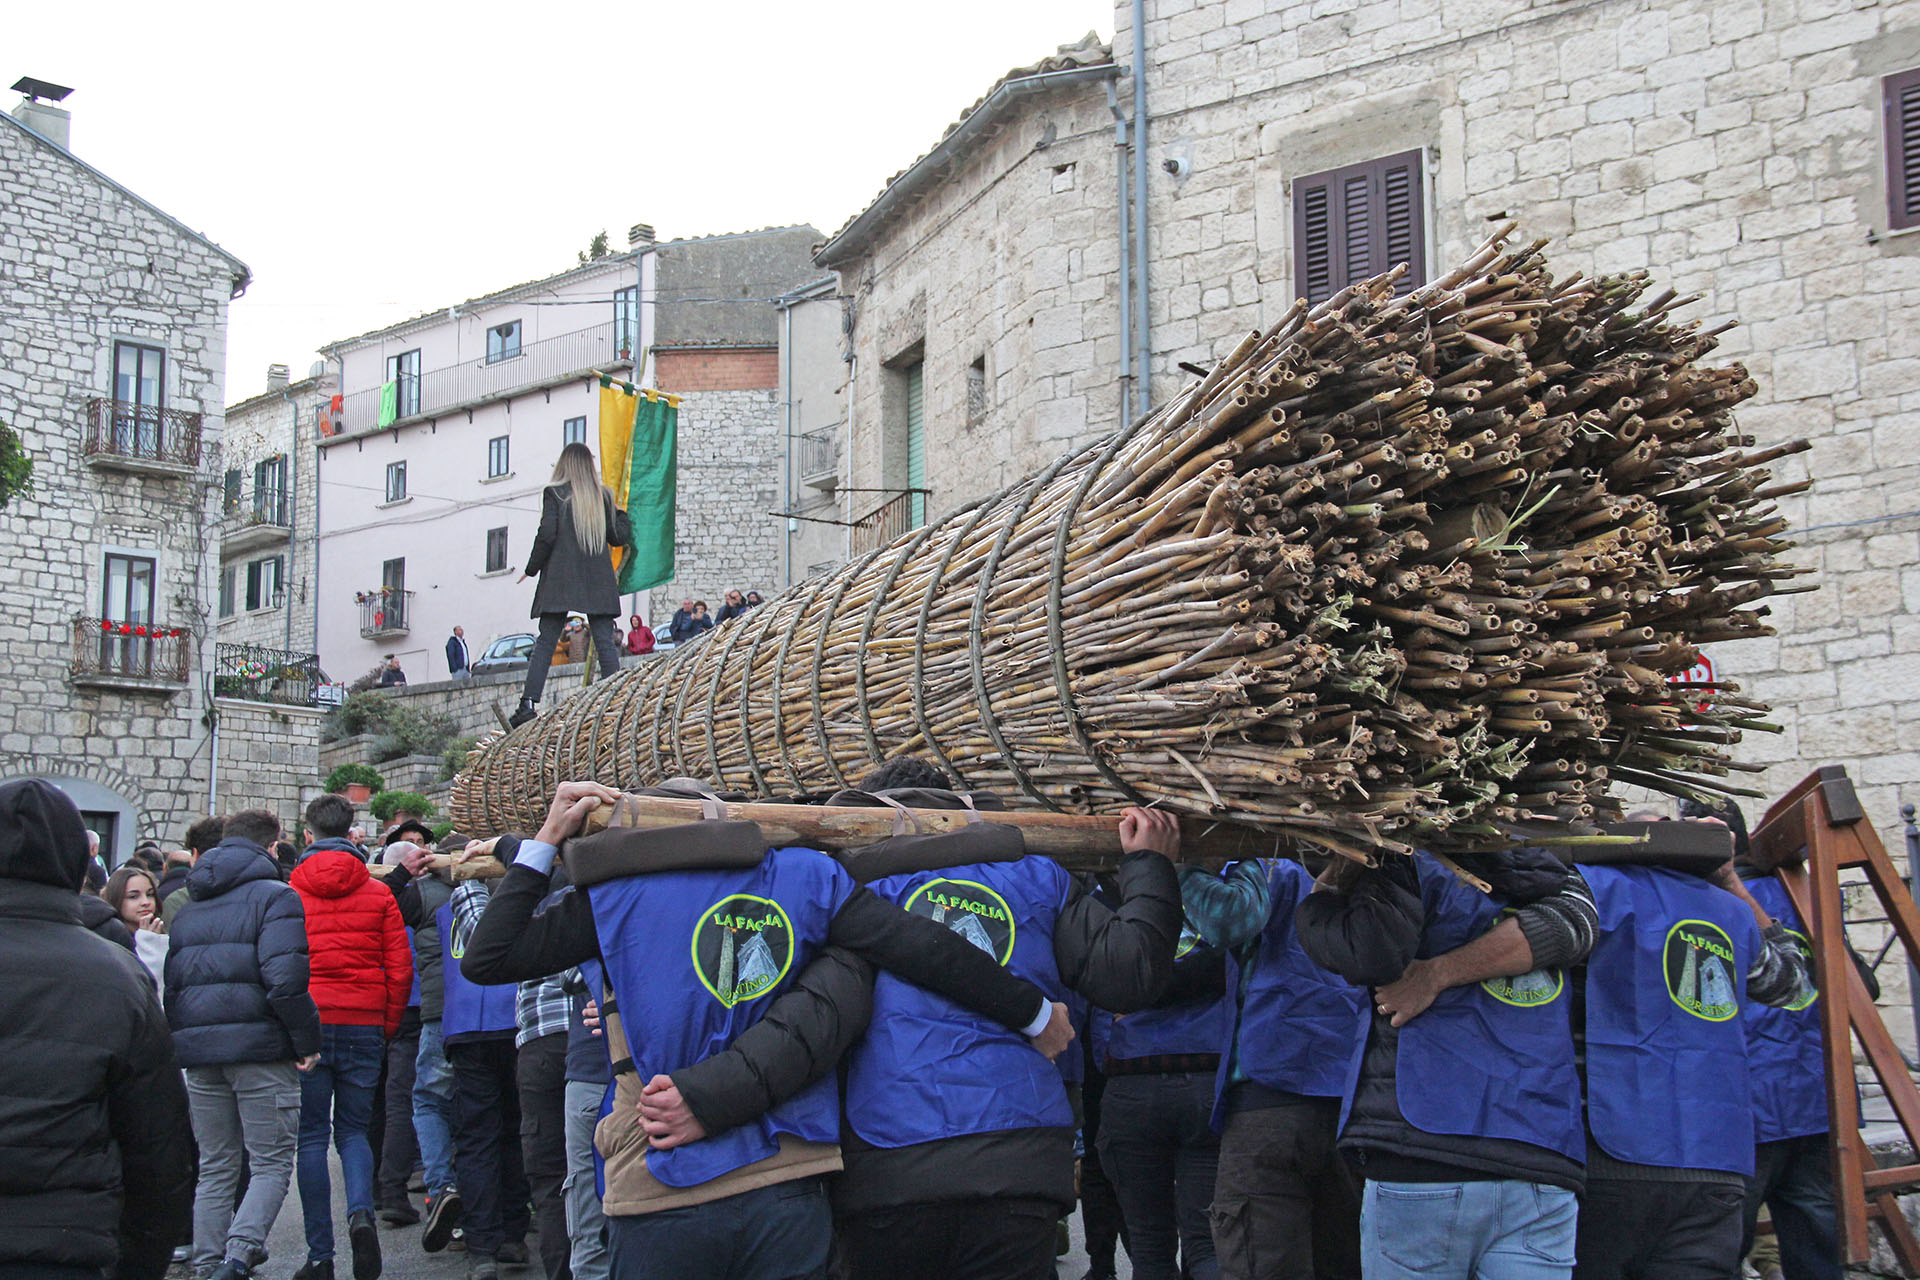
{"x":507,"y":653}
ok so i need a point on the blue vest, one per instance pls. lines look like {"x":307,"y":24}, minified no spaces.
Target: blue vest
{"x":1786,"y":1057}
{"x":1295,"y":1027}
{"x":471,"y":1010}
{"x":1193,"y":1026}
{"x":1490,"y":1060}
{"x":694,"y":959}
{"x":1666,"y":1051}
{"x":929,"y":1069}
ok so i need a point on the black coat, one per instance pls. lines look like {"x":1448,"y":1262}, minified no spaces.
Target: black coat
{"x":571,"y":581}
{"x":98,"y":915}
{"x":100,"y":1168}
{"x":237,"y":968}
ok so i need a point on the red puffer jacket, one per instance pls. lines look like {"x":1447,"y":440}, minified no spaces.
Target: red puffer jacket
{"x":362,"y":956}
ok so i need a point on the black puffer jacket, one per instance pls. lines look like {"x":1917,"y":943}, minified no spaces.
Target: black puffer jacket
{"x":98,"y":915}
{"x":99,"y":1169}
{"x":237,"y":969}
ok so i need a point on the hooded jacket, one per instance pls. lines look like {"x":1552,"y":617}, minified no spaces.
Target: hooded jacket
{"x":100,"y":1162}
{"x":359,"y":954}
{"x":237,"y":972}
{"x":98,"y":915}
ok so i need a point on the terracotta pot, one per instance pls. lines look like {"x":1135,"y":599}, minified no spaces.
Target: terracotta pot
{"x":359,"y":792}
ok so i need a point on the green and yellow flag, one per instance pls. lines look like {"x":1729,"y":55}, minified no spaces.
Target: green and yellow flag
{"x":639,"y":433}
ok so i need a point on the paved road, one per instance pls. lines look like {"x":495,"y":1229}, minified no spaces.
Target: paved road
{"x":405,"y":1260}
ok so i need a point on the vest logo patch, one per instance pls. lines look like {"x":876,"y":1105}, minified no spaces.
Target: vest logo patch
{"x":1528,"y":990}
{"x":1189,"y":939}
{"x":1699,"y":970}
{"x":1805,"y":945}
{"x":971,"y":910}
{"x":742,"y":947}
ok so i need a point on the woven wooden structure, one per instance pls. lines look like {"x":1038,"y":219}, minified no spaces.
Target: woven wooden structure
{"x":1409,"y":567}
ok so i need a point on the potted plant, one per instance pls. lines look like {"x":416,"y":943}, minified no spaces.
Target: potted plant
{"x":356,"y":782}
{"x":390,"y":806}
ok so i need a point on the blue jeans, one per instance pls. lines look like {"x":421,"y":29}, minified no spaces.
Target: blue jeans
{"x":1794,"y":1179}
{"x":1498,"y":1230}
{"x":337,"y":1097}
{"x":782,"y":1232}
{"x":433,"y":1108}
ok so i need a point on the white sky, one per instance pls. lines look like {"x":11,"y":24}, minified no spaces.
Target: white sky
{"x":372,"y":161}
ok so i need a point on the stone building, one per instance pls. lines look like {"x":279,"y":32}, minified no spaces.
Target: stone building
{"x":1759,"y":155}
{"x":269,"y":541}
{"x":112,"y":364}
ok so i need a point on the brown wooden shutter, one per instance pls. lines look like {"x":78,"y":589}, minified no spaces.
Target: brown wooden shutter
{"x":1353,"y":223}
{"x":1900,"y":95}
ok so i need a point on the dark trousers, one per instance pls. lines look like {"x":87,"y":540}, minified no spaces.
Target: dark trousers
{"x":1156,"y":1145}
{"x":599,"y":625}
{"x":1794,"y":1179}
{"x":1106,"y":1227}
{"x":486,"y":1144}
{"x":998,"y":1239}
{"x":1633,"y":1230}
{"x":1286,"y":1205}
{"x":399,"y":1149}
{"x":782,"y":1232}
{"x":543,"y":1145}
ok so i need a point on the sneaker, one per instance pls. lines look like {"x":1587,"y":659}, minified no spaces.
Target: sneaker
{"x":479,"y":1268}
{"x":401,"y":1213}
{"x":513,"y":1253}
{"x":521,"y":715}
{"x":459,"y":1242}
{"x":322,"y":1270}
{"x":232,"y":1269}
{"x":443,"y":1215}
{"x":183,"y":1254}
{"x":365,"y":1238}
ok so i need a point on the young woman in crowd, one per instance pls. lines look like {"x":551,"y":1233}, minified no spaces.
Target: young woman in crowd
{"x":134,"y":895}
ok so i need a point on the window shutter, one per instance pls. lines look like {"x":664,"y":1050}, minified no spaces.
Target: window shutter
{"x":1354,"y":223}
{"x":1402,"y":224}
{"x":1901,"y":96}
{"x":232,"y":480}
{"x":1314,"y":240}
{"x":253,"y":584}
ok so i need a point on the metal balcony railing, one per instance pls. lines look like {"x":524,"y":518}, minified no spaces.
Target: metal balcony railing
{"x":260,"y":674}
{"x":106,"y":650}
{"x":118,"y":431}
{"x":475,"y":379}
{"x":273,"y":507}
{"x":820,"y":458}
{"x":900,"y":514}
{"x":384,"y":612}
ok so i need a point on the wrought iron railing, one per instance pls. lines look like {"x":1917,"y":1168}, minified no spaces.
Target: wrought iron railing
{"x":384,"y":612}
{"x":819,"y":454}
{"x":473,"y":379}
{"x":104,"y":648}
{"x":260,"y":674}
{"x":899,"y":514}
{"x":272,"y":507}
{"x":142,"y":433}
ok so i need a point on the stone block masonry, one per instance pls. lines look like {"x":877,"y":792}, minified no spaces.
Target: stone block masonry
{"x":725,"y":531}
{"x":269,"y":758}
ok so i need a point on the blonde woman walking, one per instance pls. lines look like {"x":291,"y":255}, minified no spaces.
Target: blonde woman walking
{"x":578,"y":524}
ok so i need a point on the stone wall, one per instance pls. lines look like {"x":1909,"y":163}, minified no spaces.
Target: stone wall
{"x":86,"y":264}
{"x":725,"y":533}
{"x":257,"y":429}
{"x":1731,"y":147}
{"x":269,"y":758}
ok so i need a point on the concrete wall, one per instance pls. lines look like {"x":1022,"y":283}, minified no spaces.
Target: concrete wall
{"x":814,"y":378}
{"x":85,"y":263}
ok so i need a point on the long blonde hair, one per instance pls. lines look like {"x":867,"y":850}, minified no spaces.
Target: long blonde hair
{"x":576,"y":474}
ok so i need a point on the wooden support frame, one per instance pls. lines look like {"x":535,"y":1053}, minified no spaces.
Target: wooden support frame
{"x":1808,"y":838}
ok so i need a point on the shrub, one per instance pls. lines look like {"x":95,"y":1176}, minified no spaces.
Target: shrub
{"x":388,"y":803}
{"x":455,"y":758}
{"x":369,"y":681}
{"x":348,"y":775}
{"x":362,"y":712}
{"x":441,"y":830}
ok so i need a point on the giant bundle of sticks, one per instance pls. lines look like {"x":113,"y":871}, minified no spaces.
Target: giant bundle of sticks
{"x":1409,"y":568}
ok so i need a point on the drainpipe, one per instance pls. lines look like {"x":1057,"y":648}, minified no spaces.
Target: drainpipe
{"x":1143,"y":375}
{"x":213,"y":761}
{"x":1126,"y":258}
{"x":786,"y":478}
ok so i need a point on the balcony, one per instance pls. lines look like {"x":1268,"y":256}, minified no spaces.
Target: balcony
{"x":130,"y":657}
{"x":258,"y":674}
{"x":820,"y":459}
{"x":251,"y":525}
{"x":894,"y":518}
{"x":141,"y":438}
{"x":384,"y":612}
{"x":475,"y":382}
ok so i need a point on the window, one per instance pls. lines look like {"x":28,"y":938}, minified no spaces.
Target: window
{"x":626,"y":321}
{"x":496,"y":550}
{"x":396,"y":481}
{"x":497,"y":457}
{"x":404,"y":369}
{"x":393,"y":576}
{"x":917,"y":440}
{"x":266,"y":587}
{"x":129,"y":589}
{"x":139,"y":395}
{"x":270,"y":491}
{"x":573,"y":431}
{"x":503,"y":342}
{"x":1354,"y":223}
{"x":231,"y":490}
{"x":228,"y":576}
{"x":1900,"y":95}
{"x":977,"y":391}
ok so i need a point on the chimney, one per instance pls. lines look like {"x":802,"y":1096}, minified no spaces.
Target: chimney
{"x":640,"y":236}
{"x":276,"y":377}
